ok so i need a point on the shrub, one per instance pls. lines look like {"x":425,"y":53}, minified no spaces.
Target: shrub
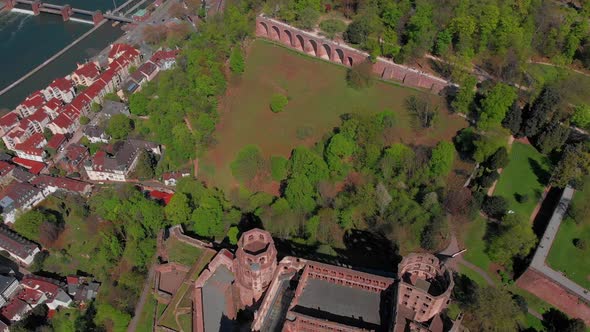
{"x":579,"y":243}
{"x":332,"y":26}
{"x":278,"y":167}
{"x":487,"y":179}
{"x":581,"y":117}
{"x":278,"y":103}
{"x":522,"y":198}
{"x":495,"y":206}
{"x":248,"y":163}
{"x":236,"y":61}
{"x":360,"y":76}
{"x":84,"y":120}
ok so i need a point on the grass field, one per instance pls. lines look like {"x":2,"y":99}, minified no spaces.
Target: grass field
{"x":469,"y":273}
{"x":565,"y":257}
{"x":318,"y":94}
{"x":526,"y":175}
{"x":473,"y":239}
{"x":182,"y":253}
{"x":574,"y":85}
{"x":146,"y":318}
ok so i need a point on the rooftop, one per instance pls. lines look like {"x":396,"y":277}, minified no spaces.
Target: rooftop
{"x":216,"y":299}
{"x":15,"y":244}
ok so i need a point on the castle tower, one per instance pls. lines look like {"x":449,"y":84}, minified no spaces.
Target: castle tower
{"x":255,"y":263}
{"x":425,"y":285}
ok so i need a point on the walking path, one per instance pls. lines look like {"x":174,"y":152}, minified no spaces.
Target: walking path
{"x":142,"y":299}
{"x":539,"y":260}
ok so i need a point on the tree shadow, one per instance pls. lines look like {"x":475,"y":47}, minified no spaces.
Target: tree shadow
{"x":542,"y":175}
{"x":546,"y":211}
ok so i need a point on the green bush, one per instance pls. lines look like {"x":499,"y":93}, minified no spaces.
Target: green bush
{"x":278,"y":103}
{"x":332,"y":26}
{"x":84,"y":120}
{"x":278,"y":167}
{"x":495,"y":206}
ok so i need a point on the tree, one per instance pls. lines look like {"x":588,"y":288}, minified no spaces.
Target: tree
{"x":422,"y":109}
{"x":84,"y":120}
{"x":278,"y":103}
{"x":47,"y":133}
{"x":463,"y":101}
{"x":49,"y":232}
{"x":397,"y":160}
{"x":307,"y":18}
{"x":331,"y":27}
{"x":495,"y":206}
{"x":145,"y":167}
{"x":573,"y":166}
{"x":118,"y":319}
{"x":232,"y":235}
{"x":248,"y":164}
{"x":360,"y":76}
{"x":207,"y":217}
{"x":339,"y":149}
{"x":552,"y":137}
{"x":495,"y":105}
{"x":441,"y":161}
{"x":278,"y":167}
{"x":178,"y":210}
{"x":236,"y":61}
{"x":538,"y":114}
{"x":513,"y":119}
{"x":486,"y":145}
{"x":487,"y":179}
{"x":493,"y":310}
{"x":29,"y":223}
{"x":306,"y":163}
{"x":515,"y":238}
{"x":119,"y":126}
{"x":138,"y":103}
{"x":556,"y":321}
{"x":435,"y":233}
{"x":581,"y":116}
{"x":300,"y":194}
{"x":498,"y":160}
{"x":458,"y":202}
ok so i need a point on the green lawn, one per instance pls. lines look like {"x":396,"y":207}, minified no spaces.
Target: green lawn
{"x":181,"y":252}
{"x":574,"y":85}
{"x":146,"y":318}
{"x":526,"y":175}
{"x":473,"y":239}
{"x":534,"y":322}
{"x":565,"y":257}
{"x":469,"y":273}
{"x":318,"y":94}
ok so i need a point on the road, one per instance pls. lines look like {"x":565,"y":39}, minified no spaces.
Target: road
{"x":539,"y":260}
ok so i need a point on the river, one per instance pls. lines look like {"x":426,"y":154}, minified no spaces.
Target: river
{"x":28,"y":41}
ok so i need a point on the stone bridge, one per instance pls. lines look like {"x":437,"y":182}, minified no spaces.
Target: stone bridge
{"x":315,"y":45}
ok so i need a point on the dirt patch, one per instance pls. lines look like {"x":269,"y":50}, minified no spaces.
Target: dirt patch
{"x":551,"y":292}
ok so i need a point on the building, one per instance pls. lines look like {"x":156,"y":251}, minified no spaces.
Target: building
{"x":32,"y":148}
{"x":9,"y":285}
{"x":303,"y":295}
{"x":50,"y":184}
{"x":61,"y":88}
{"x":9,"y":121}
{"x":32,"y":167}
{"x":15,"y":310}
{"x":32,"y":103}
{"x":20,"y":249}
{"x":74,"y":156}
{"x":82,"y":289}
{"x":165,"y":60}
{"x":118,"y":166}
{"x":96,"y":134}
{"x":171,"y":178}
{"x":46,"y":291}
{"x":6,"y":171}
{"x":17,"y":198}
{"x":56,"y":142}
{"x":86,"y":74}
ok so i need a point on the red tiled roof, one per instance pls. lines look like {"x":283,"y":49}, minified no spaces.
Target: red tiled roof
{"x":34,"y":167}
{"x":118,"y":49}
{"x":62,"y":84}
{"x":164,"y":55}
{"x":72,"y":280}
{"x":75,"y":152}
{"x":5,"y":168}
{"x":89,"y":70}
{"x":41,"y":284}
{"x":31,"y":296}
{"x":43,"y":181}
{"x":8,"y":120}
{"x":62,"y":121}
{"x":56,"y":141}
{"x":160,"y":195}
{"x":35,"y":100}
{"x":53,"y":104}
{"x":32,"y":145}
{"x":38,"y":116}
{"x":13,"y":308}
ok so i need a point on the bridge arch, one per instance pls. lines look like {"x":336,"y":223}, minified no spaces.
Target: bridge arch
{"x":314,"y":49}
{"x":326,"y":52}
{"x":339,"y":56}
{"x":287,"y":38}
{"x":349,"y":61}
{"x":275,"y":33}
{"x":262,"y":29}
{"x":299,"y":43}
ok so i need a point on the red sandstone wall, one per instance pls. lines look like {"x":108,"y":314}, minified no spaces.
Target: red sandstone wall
{"x":343,"y":54}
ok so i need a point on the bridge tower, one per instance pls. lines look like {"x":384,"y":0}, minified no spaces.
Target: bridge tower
{"x":97,"y":17}
{"x":9,"y":4}
{"x":66,"y":12}
{"x":36,"y":7}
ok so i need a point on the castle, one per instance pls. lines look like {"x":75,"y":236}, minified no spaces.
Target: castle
{"x":296,"y":294}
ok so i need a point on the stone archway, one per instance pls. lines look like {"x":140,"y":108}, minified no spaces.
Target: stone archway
{"x":339,"y":56}
{"x":275,"y":33}
{"x":262,"y":29}
{"x":287,"y":38}
{"x":314,"y":49}
{"x":327,"y":52}
{"x":300,"y":43}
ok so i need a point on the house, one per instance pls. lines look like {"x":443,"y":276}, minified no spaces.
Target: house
{"x":33,"y":167}
{"x":170,"y":178}
{"x":61,"y":88}
{"x":110,"y":108}
{"x":86,"y":74}
{"x":53,"y":107}
{"x":15,"y":310}
{"x":32,"y":148}
{"x":18,"y":197}
{"x":44,"y":288}
{"x":21,"y":175}
{"x":20,"y":249}
{"x":9,"y":285}
{"x":9,"y":121}
{"x":96,"y":134}
{"x":6,"y":171}
{"x":145,"y":73}
{"x":82,"y":289}
{"x":165,"y":60}
{"x":49,"y":184}
{"x":56,"y":142}
{"x":161,"y":196}
{"x":32,"y":103}
{"x":116,"y":167}
{"x":63,"y":124}
{"x":74,"y":156}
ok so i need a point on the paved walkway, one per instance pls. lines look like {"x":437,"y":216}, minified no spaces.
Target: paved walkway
{"x":544,"y":247}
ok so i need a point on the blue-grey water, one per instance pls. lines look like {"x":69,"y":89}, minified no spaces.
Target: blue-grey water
{"x":27,"y":41}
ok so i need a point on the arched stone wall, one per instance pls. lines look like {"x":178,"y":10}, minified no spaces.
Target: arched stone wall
{"x":343,"y":54}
